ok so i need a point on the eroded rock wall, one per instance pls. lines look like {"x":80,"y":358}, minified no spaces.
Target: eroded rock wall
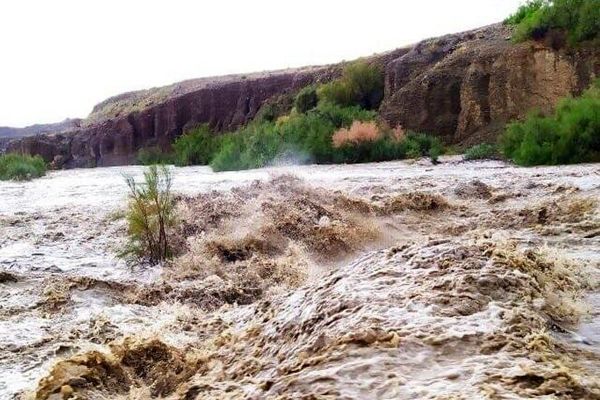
{"x":466,"y":87}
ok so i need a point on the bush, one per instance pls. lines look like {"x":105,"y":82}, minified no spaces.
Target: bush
{"x":150,"y":215}
{"x":21,"y":167}
{"x":196,"y":147}
{"x":421,"y":145}
{"x":387,"y":148}
{"x":306,"y":135}
{"x":571,"y":135}
{"x":267,"y":113}
{"x":525,"y":11}
{"x":253,"y":146}
{"x":306,"y":99}
{"x":382,"y":149}
{"x":275,"y":107}
{"x":359,"y":132}
{"x":361,"y":85}
{"x":229,"y":155}
{"x":483,"y":151}
{"x":153,"y":155}
{"x":312,"y":133}
{"x":580,"y":19}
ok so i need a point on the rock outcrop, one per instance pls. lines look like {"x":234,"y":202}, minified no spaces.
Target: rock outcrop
{"x":463,"y":87}
{"x":466,"y":87}
{"x":7,"y":134}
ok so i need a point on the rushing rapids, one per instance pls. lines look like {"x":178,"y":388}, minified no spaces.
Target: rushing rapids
{"x":392,"y":280}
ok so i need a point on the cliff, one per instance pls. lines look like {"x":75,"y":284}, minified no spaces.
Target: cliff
{"x":7,"y":134}
{"x":463,"y":87}
{"x":466,"y":87}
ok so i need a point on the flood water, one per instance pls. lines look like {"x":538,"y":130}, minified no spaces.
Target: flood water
{"x":59,"y":295}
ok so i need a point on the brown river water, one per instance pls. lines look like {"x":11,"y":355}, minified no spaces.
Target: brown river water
{"x":400,"y":280}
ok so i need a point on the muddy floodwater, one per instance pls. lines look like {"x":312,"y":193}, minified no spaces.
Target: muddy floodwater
{"x":404,"y":280}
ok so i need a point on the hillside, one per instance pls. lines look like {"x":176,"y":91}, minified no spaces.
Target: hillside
{"x":8,"y":133}
{"x":37,"y":129}
{"x":462,"y":87}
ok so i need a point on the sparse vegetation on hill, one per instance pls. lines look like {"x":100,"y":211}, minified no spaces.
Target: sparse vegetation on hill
{"x":580,"y":19}
{"x":525,"y":11}
{"x":21,"y":167}
{"x":571,"y":135}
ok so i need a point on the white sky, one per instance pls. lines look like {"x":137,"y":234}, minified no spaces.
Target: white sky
{"x":58,"y":58}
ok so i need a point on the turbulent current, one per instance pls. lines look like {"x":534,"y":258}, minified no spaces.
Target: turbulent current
{"x":463,"y":280}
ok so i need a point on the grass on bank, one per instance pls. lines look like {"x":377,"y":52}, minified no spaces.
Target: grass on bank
{"x":579,"y":19}
{"x":570,"y":135}
{"x":21,"y":167}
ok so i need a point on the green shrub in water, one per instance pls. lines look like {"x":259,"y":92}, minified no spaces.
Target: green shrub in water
{"x":150,"y":215}
{"x":421,"y":145}
{"x":196,"y":147}
{"x":301,"y":136}
{"x":305,"y":137}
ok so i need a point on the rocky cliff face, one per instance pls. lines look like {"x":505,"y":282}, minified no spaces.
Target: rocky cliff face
{"x":7,"y":134}
{"x":463,"y":87}
{"x":466,"y":87}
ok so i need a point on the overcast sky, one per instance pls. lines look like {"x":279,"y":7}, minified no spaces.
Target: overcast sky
{"x":58,"y":58}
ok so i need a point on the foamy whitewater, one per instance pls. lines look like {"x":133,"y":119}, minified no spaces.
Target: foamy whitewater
{"x":404,"y":280}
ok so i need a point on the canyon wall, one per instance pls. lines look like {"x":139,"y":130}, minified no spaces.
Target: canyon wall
{"x":463,"y":87}
{"x":466,"y":87}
